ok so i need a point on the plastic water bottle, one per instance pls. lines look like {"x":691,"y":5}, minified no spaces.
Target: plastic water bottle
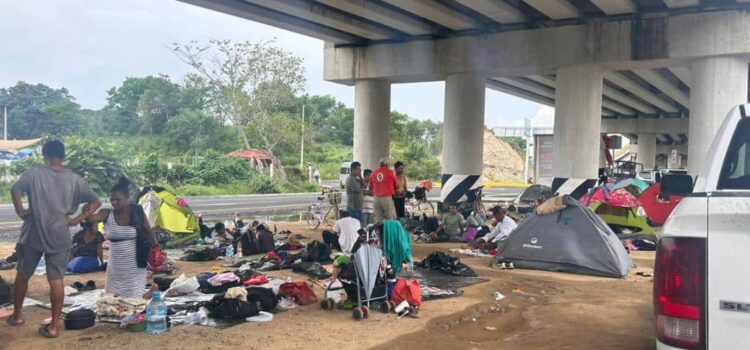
{"x":216,"y":243}
{"x":229,"y":252}
{"x":41,"y":267}
{"x":156,"y":315}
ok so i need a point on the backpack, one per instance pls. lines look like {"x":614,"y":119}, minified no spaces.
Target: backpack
{"x":265,"y":241}
{"x":300,"y":292}
{"x":318,"y":252}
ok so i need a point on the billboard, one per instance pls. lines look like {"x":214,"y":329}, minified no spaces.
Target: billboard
{"x":543,"y":149}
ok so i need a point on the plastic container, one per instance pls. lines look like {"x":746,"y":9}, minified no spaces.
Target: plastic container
{"x":216,"y":243}
{"x":229,"y":252}
{"x":156,"y":315}
{"x":41,"y":267}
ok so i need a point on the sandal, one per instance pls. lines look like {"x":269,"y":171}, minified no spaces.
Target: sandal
{"x":13,"y":323}
{"x":90,"y":285}
{"x":78,"y":286}
{"x":44,"y":331}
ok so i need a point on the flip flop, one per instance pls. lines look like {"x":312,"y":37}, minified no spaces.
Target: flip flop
{"x":5,"y":312}
{"x":44,"y":331}
{"x":78,"y":286}
{"x":13,"y":323}
{"x":90,"y":285}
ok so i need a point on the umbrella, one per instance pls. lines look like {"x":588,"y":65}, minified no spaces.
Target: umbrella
{"x":632,"y":185}
{"x":367,"y":260}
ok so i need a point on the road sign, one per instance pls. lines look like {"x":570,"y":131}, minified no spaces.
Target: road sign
{"x":527,"y":127}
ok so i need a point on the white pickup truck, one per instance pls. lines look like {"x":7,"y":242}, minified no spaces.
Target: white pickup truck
{"x":702,"y":268}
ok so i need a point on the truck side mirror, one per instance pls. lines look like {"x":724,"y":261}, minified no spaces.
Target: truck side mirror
{"x":676,"y":184}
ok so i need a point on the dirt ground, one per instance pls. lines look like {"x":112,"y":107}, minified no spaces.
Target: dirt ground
{"x":553,"y":311}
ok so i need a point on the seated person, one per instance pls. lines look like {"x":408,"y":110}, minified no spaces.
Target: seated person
{"x":220,"y":232}
{"x":451,"y":226}
{"x":238,"y":223}
{"x":346,"y":233}
{"x":205,"y":230}
{"x":504,"y":226}
{"x":86,"y":254}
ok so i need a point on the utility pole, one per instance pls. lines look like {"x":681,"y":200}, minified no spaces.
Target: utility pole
{"x":302,"y":146}
{"x":526,"y":136}
{"x":5,"y":124}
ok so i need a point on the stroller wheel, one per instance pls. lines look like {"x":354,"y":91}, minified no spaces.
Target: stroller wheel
{"x":366,"y":312}
{"x":325,"y":304}
{"x":332,"y":304}
{"x":385,"y":307}
{"x":358,"y":314}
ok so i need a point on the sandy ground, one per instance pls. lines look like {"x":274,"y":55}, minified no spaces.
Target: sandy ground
{"x":555,"y":311}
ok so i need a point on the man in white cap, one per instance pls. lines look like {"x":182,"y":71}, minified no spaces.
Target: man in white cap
{"x":383,"y":183}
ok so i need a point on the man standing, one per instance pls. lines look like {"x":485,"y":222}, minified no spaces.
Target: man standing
{"x":355,"y":188}
{"x":368,"y":207}
{"x":54,"y":193}
{"x":504,"y":226}
{"x":399,"y":200}
{"x":383,"y":185}
{"x":451,"y":227}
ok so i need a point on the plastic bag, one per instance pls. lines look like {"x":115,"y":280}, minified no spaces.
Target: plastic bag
{"x":300,"y":292}
{"x":182,"y":286}
{"x":158,"y":261}
{"x":407,"y":290}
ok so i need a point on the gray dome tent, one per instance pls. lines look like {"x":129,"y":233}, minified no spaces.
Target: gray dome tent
{"x":570,"y":239}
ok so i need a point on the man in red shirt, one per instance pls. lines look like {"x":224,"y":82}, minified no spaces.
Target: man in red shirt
{"x":383,"y":183}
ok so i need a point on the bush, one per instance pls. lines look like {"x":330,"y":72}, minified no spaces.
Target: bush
{"x":214,"y":169}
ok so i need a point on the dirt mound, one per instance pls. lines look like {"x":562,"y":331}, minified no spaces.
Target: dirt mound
{"x":501,"y":161}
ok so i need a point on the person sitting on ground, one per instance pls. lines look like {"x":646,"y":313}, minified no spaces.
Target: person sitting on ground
{"x":345,"y":235}
{"x":220,"y":232}
{"x":504,"y":226}
{"x":205,"y":230}
{"x":451,"y":226}
{"x":238,"y":223}
{"x":87,"y":253}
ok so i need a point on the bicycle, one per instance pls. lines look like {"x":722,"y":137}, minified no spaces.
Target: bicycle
{"x":418,"y":206}
{"x":315,"y":214}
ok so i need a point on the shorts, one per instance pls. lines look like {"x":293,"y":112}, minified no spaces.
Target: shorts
{"x":28,"y":259}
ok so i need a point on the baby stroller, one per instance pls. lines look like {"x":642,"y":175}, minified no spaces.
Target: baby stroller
{"x":363,"y":280}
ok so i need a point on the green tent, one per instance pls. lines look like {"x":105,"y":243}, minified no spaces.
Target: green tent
{"x":166,"y":211}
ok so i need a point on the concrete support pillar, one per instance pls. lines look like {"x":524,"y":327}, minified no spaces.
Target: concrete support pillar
{"x":463,"y":128}
{"x":647,"y":150}
{"x":578,"y":119}
{"x":372,"y":127}
{"x":718,"y":84}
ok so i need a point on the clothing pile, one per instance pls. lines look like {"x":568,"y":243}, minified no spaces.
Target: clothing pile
{"x":200,"y":253}
{"x":110,"y":305}
{"x":447,"y":264}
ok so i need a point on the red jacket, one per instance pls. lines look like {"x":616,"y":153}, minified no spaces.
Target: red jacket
{"x":383,"y":182}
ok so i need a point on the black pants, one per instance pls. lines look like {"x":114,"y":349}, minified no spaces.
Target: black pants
{"x":332,"y":240}
{"x":400,"y":203}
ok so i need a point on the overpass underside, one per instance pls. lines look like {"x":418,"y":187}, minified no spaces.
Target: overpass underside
{"x":664,"y":72}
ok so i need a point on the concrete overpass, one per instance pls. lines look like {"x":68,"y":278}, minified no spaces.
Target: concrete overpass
{"x":664,"y":71}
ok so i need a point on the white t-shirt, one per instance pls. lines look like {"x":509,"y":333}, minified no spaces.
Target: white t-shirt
{"x":347,"y":229}
{"x":501,"y":231}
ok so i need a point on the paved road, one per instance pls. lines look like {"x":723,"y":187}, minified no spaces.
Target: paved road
{"x":271,"y":205}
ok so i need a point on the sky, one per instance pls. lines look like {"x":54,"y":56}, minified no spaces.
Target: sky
{"x":90,"y":46}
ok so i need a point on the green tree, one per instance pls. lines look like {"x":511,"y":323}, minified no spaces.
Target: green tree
{"x":518,"y":143}
{"x":38,"y":110}
{"x":420,"y":163}
{"x":249,"y":80}
{"x":142,"y":105}
{"x":192,"y":130}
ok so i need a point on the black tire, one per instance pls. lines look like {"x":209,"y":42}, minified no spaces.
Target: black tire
{"x":358,"y":314}
{"x":325,"y":304}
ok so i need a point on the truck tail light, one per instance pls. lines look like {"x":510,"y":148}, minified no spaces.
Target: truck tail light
{"x":679,"y":292}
